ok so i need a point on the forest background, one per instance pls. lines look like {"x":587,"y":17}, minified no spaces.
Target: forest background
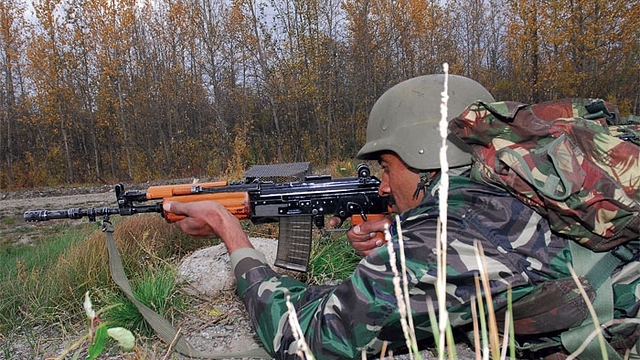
{"x":130,"y":90}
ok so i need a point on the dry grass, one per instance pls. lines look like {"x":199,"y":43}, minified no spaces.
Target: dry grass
{"x":46,"y":283}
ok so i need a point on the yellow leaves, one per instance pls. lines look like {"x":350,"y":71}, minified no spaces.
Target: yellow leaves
{"x":237,"y":162}
{"x":568,"y":49}
{"x":146,"y":88}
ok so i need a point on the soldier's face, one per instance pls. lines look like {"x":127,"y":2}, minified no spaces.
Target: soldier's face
{"x":399,"y":182}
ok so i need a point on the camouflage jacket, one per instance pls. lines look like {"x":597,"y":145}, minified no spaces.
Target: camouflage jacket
{"x":361,"y":313}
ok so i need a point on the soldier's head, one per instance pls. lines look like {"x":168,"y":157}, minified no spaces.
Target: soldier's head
{"x":403,"y":131}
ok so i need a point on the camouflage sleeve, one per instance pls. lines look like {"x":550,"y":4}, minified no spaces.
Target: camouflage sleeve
{"x":338,"y":322}
{"x":361,"y":313}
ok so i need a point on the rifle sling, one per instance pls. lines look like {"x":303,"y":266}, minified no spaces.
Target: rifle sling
{"x":162,"y":327}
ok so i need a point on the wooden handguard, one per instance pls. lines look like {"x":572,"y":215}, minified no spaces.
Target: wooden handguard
{"x":165,"y":191}
{"x":358,"y":219}
{"x":236,"y":202}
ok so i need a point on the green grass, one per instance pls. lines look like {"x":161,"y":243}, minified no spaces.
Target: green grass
{"x":156,"y":289}
{"x":331,"y":259}
{"x":7,"y":222}
{"x":31,"y":257}
{"x":45,"y":284}
{"x":30,"y":286}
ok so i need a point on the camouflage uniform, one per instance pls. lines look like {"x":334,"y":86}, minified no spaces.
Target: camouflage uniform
{"x":361,"y":313}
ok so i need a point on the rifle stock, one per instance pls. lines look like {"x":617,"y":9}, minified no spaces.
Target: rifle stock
{"x":296,"y":206}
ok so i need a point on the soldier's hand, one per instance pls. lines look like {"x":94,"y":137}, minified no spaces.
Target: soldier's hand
{"x":204,"y":219}
{"x":367,"y":236}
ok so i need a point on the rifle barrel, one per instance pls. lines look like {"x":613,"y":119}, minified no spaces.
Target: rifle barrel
{"x":73,"y":213}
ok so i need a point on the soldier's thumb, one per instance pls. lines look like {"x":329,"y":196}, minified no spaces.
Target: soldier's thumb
{"x":171,"y":207}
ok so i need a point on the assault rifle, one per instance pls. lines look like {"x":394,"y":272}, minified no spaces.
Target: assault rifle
{"x":295,"y":205}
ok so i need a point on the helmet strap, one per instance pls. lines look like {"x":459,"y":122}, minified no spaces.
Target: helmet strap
{"x":423,"y":185}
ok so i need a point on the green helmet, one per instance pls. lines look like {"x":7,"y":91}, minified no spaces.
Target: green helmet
{"x":406,"y":118}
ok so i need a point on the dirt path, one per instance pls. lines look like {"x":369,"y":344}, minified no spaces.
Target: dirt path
{"x":13,"y":204}
{"x":13,"y":228}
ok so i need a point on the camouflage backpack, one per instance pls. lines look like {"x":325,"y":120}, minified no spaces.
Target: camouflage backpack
{"x":577,"y":163}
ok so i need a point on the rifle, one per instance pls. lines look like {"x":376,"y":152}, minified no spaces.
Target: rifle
{"x":295,"y":205}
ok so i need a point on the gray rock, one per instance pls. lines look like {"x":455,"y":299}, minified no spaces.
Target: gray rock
{"x":208,"y":271}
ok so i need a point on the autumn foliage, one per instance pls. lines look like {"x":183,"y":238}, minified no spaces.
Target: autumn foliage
{"x":129,"y":90}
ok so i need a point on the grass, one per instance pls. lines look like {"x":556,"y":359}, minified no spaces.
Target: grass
{"x":7,"y":222}
{"x":155,"y":288}
{"x":331,"y":259}
{"x":30,"y":286}
{"x":43,"y":286}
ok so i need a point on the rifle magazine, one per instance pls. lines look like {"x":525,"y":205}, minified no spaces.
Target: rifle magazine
{"x":294,"y":243}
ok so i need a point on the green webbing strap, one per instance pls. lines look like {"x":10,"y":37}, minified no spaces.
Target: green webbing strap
{"x":166,"y":331}
{"x":597,"y":268}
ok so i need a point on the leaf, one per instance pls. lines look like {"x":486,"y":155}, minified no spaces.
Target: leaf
{"x":215,"y":312}
{"x":98,"y":342}
{"x":124,"y":337}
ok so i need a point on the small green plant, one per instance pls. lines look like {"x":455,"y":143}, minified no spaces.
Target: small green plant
{"x":332,"y":259}
{"x":155,"y":288}
{"x":98,"y":333}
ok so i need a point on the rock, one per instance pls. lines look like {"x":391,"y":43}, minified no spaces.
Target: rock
{"x":208,"y":271}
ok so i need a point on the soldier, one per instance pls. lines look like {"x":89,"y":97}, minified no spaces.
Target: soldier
{"x":361,"y":314}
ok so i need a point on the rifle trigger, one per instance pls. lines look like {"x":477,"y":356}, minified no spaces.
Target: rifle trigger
{"x":319,"y":221}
